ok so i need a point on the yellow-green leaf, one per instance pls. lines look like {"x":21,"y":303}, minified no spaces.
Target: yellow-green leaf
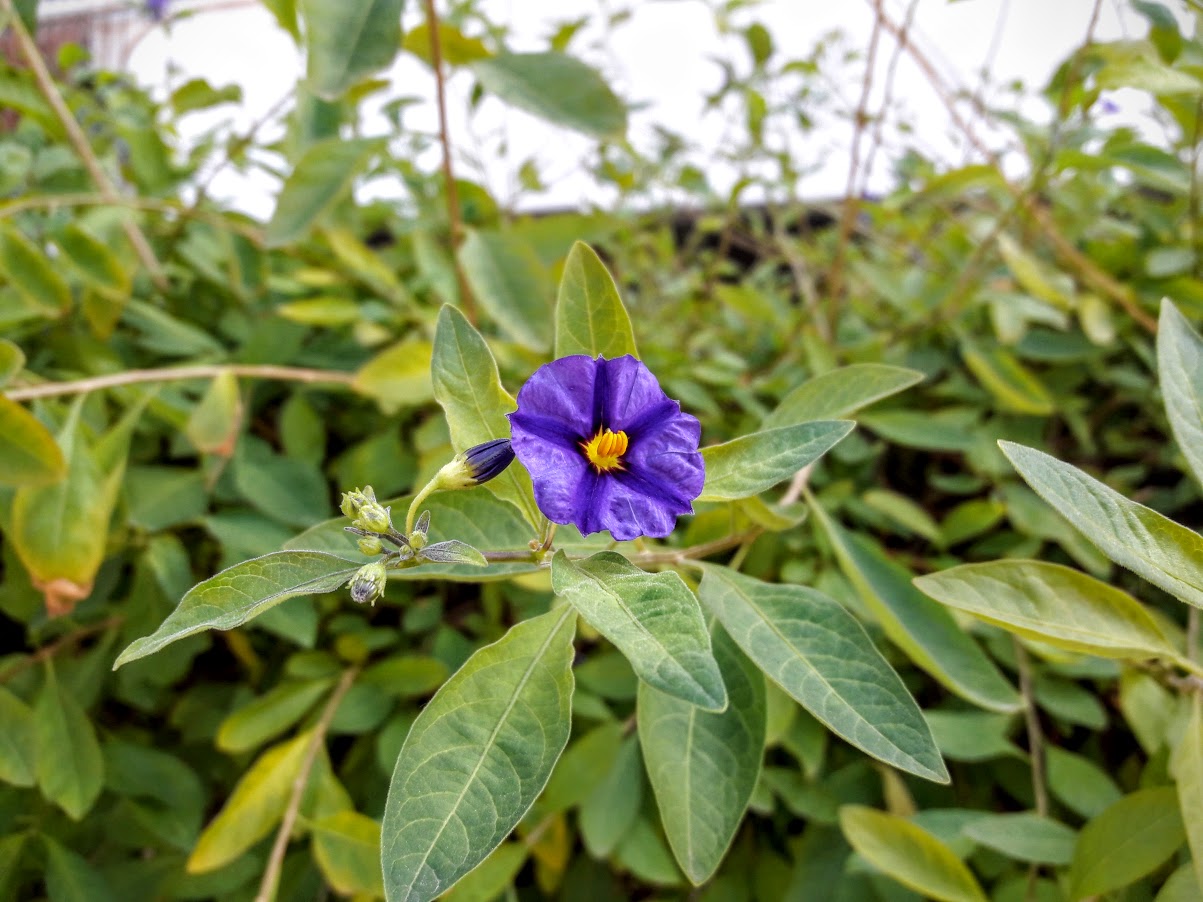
{"x":25,"y":266}
{"x":1130,"y":839}
{"x":215,"y":422}
{"x":398,"y":376}
{"x":29,"y":455}
{"x":590,"y":317}
{"x":346,"y":846}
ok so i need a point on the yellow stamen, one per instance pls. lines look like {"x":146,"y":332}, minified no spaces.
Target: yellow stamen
{"x":605,"y":450}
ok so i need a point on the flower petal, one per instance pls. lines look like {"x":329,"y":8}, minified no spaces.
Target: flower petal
{"x":560,"y":392}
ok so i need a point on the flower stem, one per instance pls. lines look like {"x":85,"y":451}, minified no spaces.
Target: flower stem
{"x":412,"y":514}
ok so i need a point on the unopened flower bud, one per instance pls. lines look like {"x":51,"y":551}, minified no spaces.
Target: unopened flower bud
{"x":476,"y":465}
{"x":370,"y":545}
{"x":368,"y":583}
{"x":374,"y":517}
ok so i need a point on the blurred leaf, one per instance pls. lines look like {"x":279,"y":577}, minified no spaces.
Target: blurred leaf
{"x":1152,"y":546}
{"x":1024,"y":836}
{"x":468,"y":388}
{"x":951,"y":429}
{"x":1187,"y":766}
{"x":406,"y":676}
{"x":972,"y":735}
{"x":909,"y":854}
{"x":926,"y":632}
{"x":555,"y":87}
{"x":585,"y":764}
{"x":253,"y":808}
{"x":1034,"y":275}
{"x":346,"y":846}
{"x":704,"y":766}
{"x":268,"y":716}
{"x":1135,"y":64}
{"x":455,"y":48}
{"x":1053,"y":604}
{"x":652,"y":618}
{"x":1014,"y":386}
{"x":753,"y":463}
{"x":590,"y":318}
{"x":818,"y":653}
{"x":12,"y":361}
{"x":215,"y":422}
{"x":840,"y":393}
{"x":321,"y":177}
{"x":70,"y":878}
{"x":508,"y":280}
{"x":18,"y":758}
{"x":70,"y":768}
{"x":399,"y":376}
{"x":94,"y":262}
{"x":29,"y":455}
{"x":365,"y":265}
{"x":1182,"y":886}
{"x":1131,"y":838}
{"x":287,"y":490}
{"x":26,"y":268}
{"x":489,"y":879}
{"x":242,"y":592}
{"x":514,"y":696}
{"x":1079,"y":783}
{"x":612,"y":807}
{"x":903,"y":511}
{"x":1180,"y":371}
{"x":348,"y":40}
{"x":285,"y":12}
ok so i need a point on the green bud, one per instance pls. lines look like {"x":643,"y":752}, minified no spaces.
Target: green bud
{"x":368,"y":583}
{"x":370,"y":545}
{"x":374,"y":517}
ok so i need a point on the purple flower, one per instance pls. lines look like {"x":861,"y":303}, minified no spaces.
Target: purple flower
{"x":606,"y":448}
{"x":157,"y":9}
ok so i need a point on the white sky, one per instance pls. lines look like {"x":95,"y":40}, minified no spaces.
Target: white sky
{"x":660,"y":59}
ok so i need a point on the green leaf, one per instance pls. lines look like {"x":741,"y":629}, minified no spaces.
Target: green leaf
{"x":243,"y":592}
{"x":555,"y":87}
{"x":348,"y":40}
{"x":1034,"y":275}
{"x":12,"y":361}
{"x":1053,"y":604}
{"x":320,"y":179}
{"x":840,"y":393}
{"x":215,"y":422}
{"x":1187,"y":766}
{"x":399,"y":376}
{"x":488,"y":880}
{"x":70,"y":768}
{"x":94,"y":262}
{"x":271,"y":714}
{"x":406,"y":676}
{"x":590,"y":317}
{"x":753,"y":463}
{"x":18,"y":758}
{"x":477,"y":757}
{"x":253,"y":808}
{"x":346,"y":846}
{"x":817,"y":652}
{"x":1013,"y":386}
{"x":29,"y":455}
{"x":70,"y":878}
{"x":903,"y":511}
{"x":926,"y":632}
{"x":456,"y":48}
{"x":1078,"y":783}
{"x":909,"y":854}
{"x":582,"y":768}
{"x":1130,"y":839}
{"x":703,"y":766}
{"x":508,"y":280}
{"x":1180,"y":370}
{"x":468,"y":388}
{"x":27,"y":269}
{"x":1152,"y":546}
{"x":607,"y":814}
{"x":1024,"y":836}
{"x":652,"y":618}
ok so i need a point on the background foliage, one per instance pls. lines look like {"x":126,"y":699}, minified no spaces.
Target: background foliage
{"x":186,"y":388}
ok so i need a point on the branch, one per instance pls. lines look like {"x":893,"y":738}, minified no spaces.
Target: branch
{"x":79,"y":141}
{"x":453,"y":218}
{"x":275,"y":862}
{"x":176,"y":374}
{"x":62,"y":642}
{"x":1035,"y":733}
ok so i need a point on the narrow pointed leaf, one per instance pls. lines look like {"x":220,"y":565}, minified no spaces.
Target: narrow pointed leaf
{"x":468,"y":388}
{"x":1188,"y":771}
{"x":477,"y":757}
{"x":840,"y":393}
{"x":654,"y":620}
{"x":590,"y":317}
{"x":70,"y":767}
{"x":817,"y":652}
{"x":607,"y":814}
{"x":909,"y":854}
{"x":453,"y":551}
{"x":1024,"y":836}
{"x":1180,"y":370}
{"x":926,"y":632}
{"x":29,"y":455}
{"x":348,"y":40}
{"x":269,"y":715}
{"x":1152,"y":546}
{"x":753,"y":463}
{"x":18,"y":758}
{"x":703,"y":766}
{"x":1130,"y":839}
{"x":508,"y":280}
{"x":1053,"y":604}
{"x":243,"y":592}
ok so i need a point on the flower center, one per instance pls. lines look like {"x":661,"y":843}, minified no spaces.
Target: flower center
{"x":605,"y":450}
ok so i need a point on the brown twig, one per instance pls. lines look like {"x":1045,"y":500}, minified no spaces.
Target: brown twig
{"x":176,"y":374}
{"x":453,"y":216}
{"x":835,"y":278}
{"x":275,"y":861}
{"x":1035,"y":733}
{"x":49,"y":651}
{"x":79,"y":141}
